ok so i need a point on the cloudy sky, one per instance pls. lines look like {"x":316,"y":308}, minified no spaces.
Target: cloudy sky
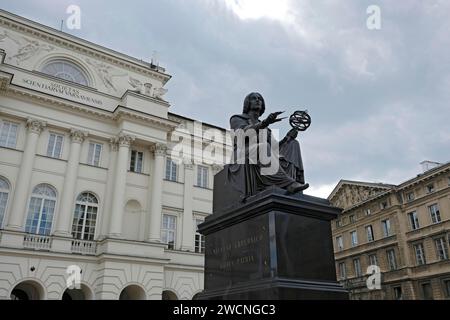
{"x":379,"y":99}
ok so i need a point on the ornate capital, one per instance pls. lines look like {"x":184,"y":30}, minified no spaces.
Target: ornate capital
{"x":35,"y":126}
{"x":125,"y":140}
{"x":159,"y":149}
{"x":78,"y":136}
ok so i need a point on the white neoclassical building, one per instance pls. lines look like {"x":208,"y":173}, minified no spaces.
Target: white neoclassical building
{"x":86,"y":179}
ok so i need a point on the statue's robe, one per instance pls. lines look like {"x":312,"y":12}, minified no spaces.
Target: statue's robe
{"x":293,"y":164}
{"x":247,"y":178}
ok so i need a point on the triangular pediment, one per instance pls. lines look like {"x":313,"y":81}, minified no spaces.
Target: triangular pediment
{"x":349,"y":193}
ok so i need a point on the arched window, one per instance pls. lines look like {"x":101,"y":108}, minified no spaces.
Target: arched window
{"x":4,"y":192}
{"x":86,"y":208}
{"x":66,"y":70}
{"x":41,"y":209}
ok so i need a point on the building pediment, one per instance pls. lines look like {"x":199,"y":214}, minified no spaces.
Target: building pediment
{"x":31,"y":46}
{"x":349,"y":193}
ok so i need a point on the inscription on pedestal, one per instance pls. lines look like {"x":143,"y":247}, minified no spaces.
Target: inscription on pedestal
{"x":239,"y":253}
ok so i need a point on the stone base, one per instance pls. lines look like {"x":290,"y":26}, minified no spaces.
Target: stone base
{"x":273,"y":246}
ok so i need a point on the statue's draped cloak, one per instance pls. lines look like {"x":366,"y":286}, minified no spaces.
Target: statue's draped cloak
{"x":247,"y":178}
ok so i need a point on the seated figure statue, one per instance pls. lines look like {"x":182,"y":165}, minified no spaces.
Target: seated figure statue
{"x":246,"y":176}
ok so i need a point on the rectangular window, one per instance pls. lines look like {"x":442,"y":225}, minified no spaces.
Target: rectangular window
{"x":95,"y":150}
{"x":354,"y":237}
{"x":441,"y":248}
{"x":340,"y":243}
{"x":448,"y":181}
{"x":434,"y":213}
{"x":420,"y":254}
{"x":54,"y":147}
{"x":414,"y":220}
{"x":427,"y":292}
{"x":397,"y":293}
{"x":169,"y":230}
{"x":338,"y":223}
{"x":202,"y":176}
{"x":357,"y":267}
{"x":136,"y":161}
{"x":8,"y":134}
{"x":342,"y":271}
{"x":352,"y":218}
{"x":369,"y":231}
{"x":430,"y":188}
{"x":373,"y":261}
{"x":383,"y":205}
{"x":386,"y":225}
{"x":199,"y":238}
{"x":171,"y":170}
{"x":391,"y":259}
{"x":410,"y":196}
{"x":367,"y":212}
{"x":447,"y":288}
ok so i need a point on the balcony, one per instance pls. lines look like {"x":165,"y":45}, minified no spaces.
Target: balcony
{"x":84,"y":247}
{"x":36,"y":242}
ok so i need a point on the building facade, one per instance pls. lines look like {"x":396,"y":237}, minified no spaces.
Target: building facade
{"x":88,"y":176}
{"x":403,"y":229}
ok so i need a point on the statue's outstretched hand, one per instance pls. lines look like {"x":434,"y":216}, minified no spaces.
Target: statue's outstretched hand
{"x":272,"y":118}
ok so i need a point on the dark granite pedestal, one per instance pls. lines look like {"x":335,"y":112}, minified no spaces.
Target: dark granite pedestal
{"x":272,"y":246}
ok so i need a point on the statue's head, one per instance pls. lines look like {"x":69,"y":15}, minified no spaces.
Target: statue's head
{"x":249,"y":100}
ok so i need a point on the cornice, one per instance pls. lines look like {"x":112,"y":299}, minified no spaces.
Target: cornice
{"x":119,"y":113}
{"x":122,"y":112}
{"x":82,"y":46}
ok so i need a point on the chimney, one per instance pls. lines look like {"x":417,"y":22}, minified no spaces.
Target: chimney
{"x":428,"y":165}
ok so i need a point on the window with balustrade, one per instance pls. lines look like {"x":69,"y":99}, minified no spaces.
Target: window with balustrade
{"x":41,"y":209}
{"x":85,"y":216}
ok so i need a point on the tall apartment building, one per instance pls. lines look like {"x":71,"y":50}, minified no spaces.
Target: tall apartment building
{"x":85,"y":175}
{"x":403,"y":229}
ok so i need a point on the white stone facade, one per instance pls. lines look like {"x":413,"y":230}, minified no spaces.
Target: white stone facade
{"x":105,"y":137}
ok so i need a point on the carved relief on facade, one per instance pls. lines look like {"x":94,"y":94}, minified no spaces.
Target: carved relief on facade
{"x":23,"y":48}
{"x":106,"y":73}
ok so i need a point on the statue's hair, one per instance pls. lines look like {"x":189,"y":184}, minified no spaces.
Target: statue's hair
{"x":247,"y":103}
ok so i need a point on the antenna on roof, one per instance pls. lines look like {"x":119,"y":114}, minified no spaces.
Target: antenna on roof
{"x":62,"y":24}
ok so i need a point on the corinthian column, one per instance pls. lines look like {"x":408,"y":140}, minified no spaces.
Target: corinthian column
{"x":70,"y":180}
{"x":16,"y":219}
{"x":187,"y":240}
{"x":115,"y":226}
{"x":156,"y":184}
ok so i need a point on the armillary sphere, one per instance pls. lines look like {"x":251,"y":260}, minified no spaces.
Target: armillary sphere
{"x":300,"y":120}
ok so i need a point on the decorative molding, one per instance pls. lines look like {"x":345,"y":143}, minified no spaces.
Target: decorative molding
{"x":159,"y":149}
{"x":120,"y":112}
{"x":35,"y":126}
{"x":78,"y":136}
{"x":159,"y":92}
{"x":124,"y":140}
